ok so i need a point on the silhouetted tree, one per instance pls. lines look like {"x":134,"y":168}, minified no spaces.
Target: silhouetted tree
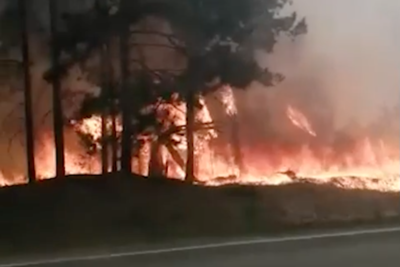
{"x":30,"y":140}
{"x":58,"y":121}
{"x":106,"y":111}
{"x":125,"y":100}
{"x":217,"y":38}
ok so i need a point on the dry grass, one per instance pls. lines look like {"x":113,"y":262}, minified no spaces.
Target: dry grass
{"x":86,"y":210}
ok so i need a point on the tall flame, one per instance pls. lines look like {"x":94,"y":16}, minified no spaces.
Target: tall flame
{"x":299,"y":120}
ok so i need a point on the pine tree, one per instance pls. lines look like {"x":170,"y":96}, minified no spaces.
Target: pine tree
{"x":217,"y":38}
{"x":30,"y":139}
{"x":58,"y":120}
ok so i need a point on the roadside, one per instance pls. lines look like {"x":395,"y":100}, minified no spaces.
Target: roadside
{"x":277,"y":242}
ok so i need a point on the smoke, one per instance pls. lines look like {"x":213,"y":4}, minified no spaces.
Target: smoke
{"x":351,"y":53}
{"x":343,"y":75}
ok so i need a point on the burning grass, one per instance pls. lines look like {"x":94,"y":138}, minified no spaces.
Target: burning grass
{"x":117,"y":210}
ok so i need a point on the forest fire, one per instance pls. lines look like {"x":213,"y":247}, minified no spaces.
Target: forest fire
{"x":365,"y":166}
{"x":283,"y":146}
{"x":365,"y":163}
{"x":362,"y":163}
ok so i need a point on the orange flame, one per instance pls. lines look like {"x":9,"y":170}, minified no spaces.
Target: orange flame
{"x":299,"y":120}
{"x":228,"y":101}
{"x":367,"y":163}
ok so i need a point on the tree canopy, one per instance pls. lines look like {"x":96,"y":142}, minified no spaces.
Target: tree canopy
{"x":217,"y":39}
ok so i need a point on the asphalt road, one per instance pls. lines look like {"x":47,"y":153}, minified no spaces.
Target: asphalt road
{"x":352,"y":249}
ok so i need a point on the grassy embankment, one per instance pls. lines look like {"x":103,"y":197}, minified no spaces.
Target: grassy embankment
{"x":83,"y":211}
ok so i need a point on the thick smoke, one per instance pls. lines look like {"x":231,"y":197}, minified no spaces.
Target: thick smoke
{"x":351,"y":52}
{"x":343,"y":75}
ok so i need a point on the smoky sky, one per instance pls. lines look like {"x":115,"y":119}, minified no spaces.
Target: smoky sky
{"x":352,"y":50}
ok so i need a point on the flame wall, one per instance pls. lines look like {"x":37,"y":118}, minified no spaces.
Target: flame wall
{"x":341,"y":75}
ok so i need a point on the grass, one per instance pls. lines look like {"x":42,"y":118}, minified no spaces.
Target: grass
{"x":86,"y":211}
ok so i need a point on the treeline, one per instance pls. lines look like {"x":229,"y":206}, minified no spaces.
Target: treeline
{"x":214,"y":41}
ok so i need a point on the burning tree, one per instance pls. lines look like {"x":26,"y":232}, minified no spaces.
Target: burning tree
{"x":218,"y":41}
{"x":215,"y":39}
{"x":27,"y":93}
{"x":56,"y":83}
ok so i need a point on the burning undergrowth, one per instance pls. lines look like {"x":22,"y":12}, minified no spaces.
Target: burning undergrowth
{"x":288,"y":134}
{"x":283,"y":141}
{"x":276,"y":143}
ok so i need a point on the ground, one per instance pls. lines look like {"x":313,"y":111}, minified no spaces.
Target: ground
{"x":82,"y":211}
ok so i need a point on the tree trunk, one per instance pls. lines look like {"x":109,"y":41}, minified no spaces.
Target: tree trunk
{"x":113,"y":111}
{"x":156,"y":166}
{"x":58,"y":123}
{"x":114,"y":141}
{"x":190,"y":122}
{"x":126,"y":142}
{"x":175,"y":156}
{"x":30,"y":140}
{"x":104,"y":115}
{"x":143,"y":158}
{"x":236,"y":145}
{"x":104,"y":144}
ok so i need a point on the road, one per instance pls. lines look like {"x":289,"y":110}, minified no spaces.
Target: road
{"x":363,"y":248}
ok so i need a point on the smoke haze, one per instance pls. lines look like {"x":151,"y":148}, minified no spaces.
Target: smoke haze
{"x":351,"y":52}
